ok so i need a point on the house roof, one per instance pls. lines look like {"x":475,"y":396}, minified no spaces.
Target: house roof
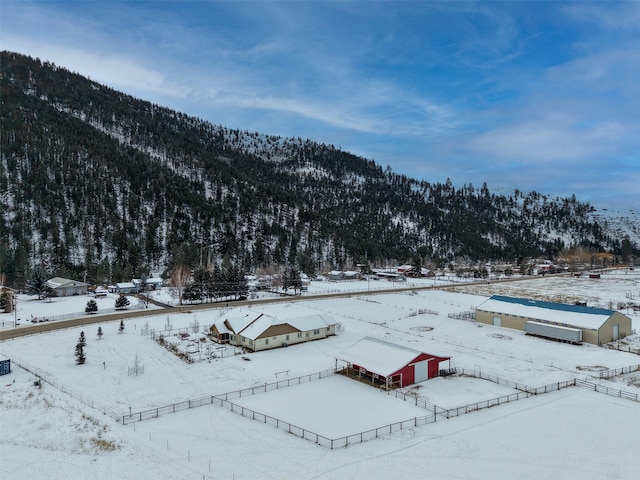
{"x":311,"y":322}
{"x":59,"y":282}
{"x":149,"y":281}
{"x":125,"y":285}
{"x":240,"y":319}
{"x":573,"y":315}
{"x":252,"y":324}
{"x":379,"y":356}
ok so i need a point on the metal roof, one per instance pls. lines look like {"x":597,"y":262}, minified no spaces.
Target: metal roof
{"x":557,"y":313}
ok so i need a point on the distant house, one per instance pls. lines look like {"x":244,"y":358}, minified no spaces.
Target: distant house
{"x":152,"y":283}
{"x":125,"y":287}
{"x":425,"y":272}
{"x":388,"y":365}
{"x":392,"y":277}
{"x":573,"y":323}
{"x":406,"y":269}
{"x":257,"y":331}
{"x":335,"y":275}
{"x":351,"y":275}
{"x":63,"y":287}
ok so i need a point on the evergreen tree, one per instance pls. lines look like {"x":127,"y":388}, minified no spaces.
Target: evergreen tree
{"x":99,"y":333}
{"x":80,"y":355}
{"x":121,"y":327}
{"x":292,"y":280}
{"x":122,"y":302}
{"x":92,"y":306}
{"x":6,"y":301}
{"x":626,"y":250}
{"x":37,"y":284}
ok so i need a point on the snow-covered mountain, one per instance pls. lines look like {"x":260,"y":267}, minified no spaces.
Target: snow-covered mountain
{"x":94,"y":180}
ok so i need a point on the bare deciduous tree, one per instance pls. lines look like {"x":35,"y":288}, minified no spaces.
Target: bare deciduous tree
{"x":179,"y":278}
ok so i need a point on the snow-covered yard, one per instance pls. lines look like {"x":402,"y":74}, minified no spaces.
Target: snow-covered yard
{"x":70,"y":430}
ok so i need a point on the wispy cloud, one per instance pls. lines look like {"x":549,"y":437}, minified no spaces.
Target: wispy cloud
{"x":511,"y":93}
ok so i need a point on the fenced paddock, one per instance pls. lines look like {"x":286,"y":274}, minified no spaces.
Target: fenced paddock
{"x":223,"y":397}
{"x":335,"y":407}
{"x":324,"y":412}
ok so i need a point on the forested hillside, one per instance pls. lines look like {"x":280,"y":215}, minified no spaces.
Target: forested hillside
{"x":95,"y":180}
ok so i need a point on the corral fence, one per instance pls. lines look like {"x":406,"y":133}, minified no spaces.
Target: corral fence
{"x":623,"y":348}
{"x":619,"y":371}
{"x":502,"y":381}
{"x":613,"y":392}
{"x":69,"y":316}
{"x":43,"y":376}
{"x":216,"y":399}
{"x":201,"y":353}
{"x":469,"y":315}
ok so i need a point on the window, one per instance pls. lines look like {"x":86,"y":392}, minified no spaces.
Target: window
{"x":316,"y":332}
{"x":299,"y":335}
{"x":266,"y":341}
{"x":287,"y":337}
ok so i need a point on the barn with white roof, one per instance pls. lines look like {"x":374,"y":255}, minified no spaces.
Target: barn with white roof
{"x":257,"y":331}
{"x":388,"y":365}
{"x":572,"y":323}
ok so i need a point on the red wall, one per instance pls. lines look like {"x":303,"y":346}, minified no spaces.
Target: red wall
{"x":433,"y":367}
{"x":408,"y":374}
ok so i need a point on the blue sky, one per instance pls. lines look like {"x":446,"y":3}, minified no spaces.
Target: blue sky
{"x":538,"y":96}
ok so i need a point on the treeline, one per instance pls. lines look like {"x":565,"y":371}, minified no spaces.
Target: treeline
{"x":216,"y":284}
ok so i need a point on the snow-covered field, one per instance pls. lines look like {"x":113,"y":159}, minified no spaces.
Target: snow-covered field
{"x":67,"y":428}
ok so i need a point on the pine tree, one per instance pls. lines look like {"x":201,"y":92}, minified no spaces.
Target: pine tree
{"x":38,"y":285}
{"x":121,"y":328}
{"x":6,"y":301}
{"x":292,"y":280}
{"x":122,"y":302}
{"x":99,"y":333}
{"x":80,"y":355}
{"x":92,"y":307}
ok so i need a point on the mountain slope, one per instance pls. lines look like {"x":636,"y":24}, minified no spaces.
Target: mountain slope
{"x":93,"y":179}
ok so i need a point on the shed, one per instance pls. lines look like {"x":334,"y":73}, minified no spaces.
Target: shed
{"x":5,"y":365}
{"x":65,"y":287}
{"x":555,"y":320}
{"x":389,"y":365}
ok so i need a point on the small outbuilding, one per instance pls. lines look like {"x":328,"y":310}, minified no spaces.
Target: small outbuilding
{"x":63,"y":287}
{"x":389,"y":365}
{"x":558,"y":321}
{"x":5,"y":365}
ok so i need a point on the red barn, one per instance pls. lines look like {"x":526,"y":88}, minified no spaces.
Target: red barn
{"x":389,"y":365}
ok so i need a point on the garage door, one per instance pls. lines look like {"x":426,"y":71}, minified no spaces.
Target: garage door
{"x":420,"y":371}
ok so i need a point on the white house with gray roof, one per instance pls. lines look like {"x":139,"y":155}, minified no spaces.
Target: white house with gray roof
{"x":258,"y":331}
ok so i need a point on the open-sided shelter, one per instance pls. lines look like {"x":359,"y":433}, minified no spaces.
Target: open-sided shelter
{"x":389,"y":365}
